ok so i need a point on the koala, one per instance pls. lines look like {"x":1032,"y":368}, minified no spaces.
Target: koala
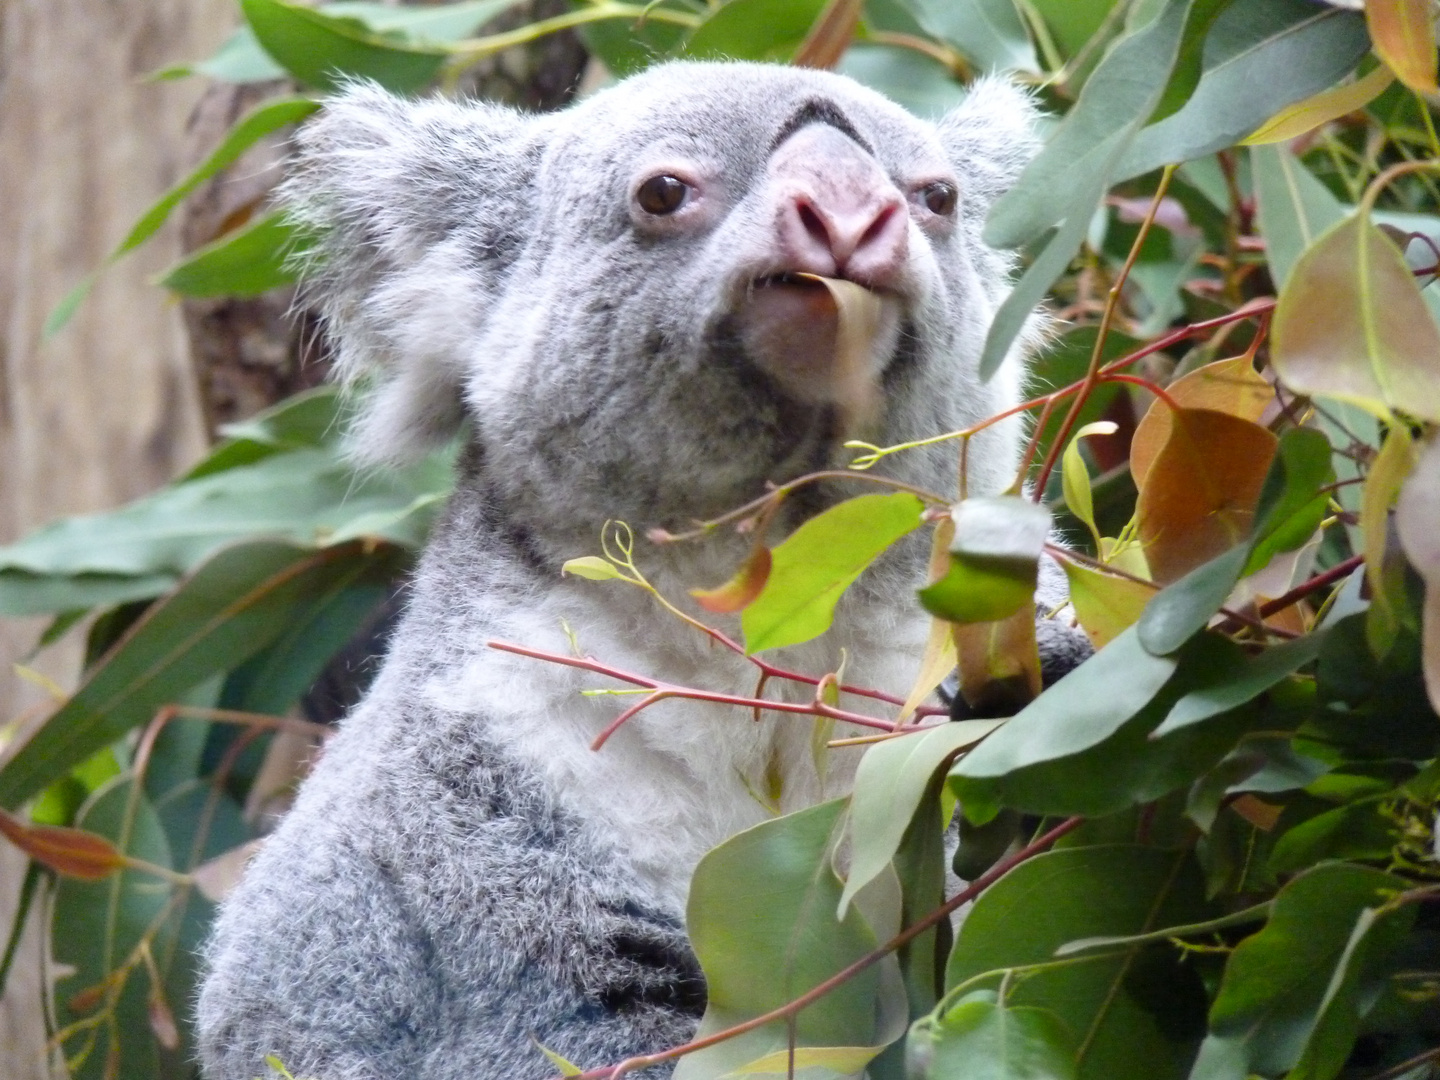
{"x":606,"y":304}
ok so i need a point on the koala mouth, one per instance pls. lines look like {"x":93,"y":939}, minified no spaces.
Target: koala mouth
{"x":825,"y":341}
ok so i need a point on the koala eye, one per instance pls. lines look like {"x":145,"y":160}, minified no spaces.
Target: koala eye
{"x":940,"y":197}
{"x":663,"y":194}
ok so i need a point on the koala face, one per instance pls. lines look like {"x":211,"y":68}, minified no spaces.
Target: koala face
{"x":620,"y":298}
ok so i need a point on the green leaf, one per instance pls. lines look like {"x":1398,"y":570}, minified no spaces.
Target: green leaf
{"x":1125,"y":1027}
{"x":816,"y":563}
{"x":249,"y":262}
{"x":98,"y":925}
{"x":1052,"y":260}
{"x":994,"y":560}
{"x":1277,"y":981}
{"x":779,"y":875}
{"x":591,"y":566}
{"x":1105,"y":605}
{"x":1258,"y":59}
{"x":1294,"y":499}
{"x":250,"y":129}
{"x":322,"y":50}
{"x":1076,"y":477}
{"x":1121,"y":765}
{"x":989,"y":33}
{"x":305,"y":496}
{"x":24,"y":593}
{"x":627,"y":46}
{"x":1351,"y":324}
{"x":1186,"y":74}
{"x":1073,"y":23}
{"x":1113,"y":105}
{"x":69,"y":304}
{"x":754,"y":30}
{"x":1233,"y":689}
{"x":920,"y":83}
{"x":1181,"y":610}
{"x":1295,"y":208}
{"x":440,"y":23}
{"x":1083,"y":709}
{"x":980,"y":1039}
{"x":231,"y":608}
{"x":241,"y":59}
{"x":1354,"y":832}
{"x":889,"y":785}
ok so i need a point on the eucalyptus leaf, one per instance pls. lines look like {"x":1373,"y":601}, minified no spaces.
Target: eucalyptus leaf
{"x":889,"y":785}
{"x":1276,"y":980}
{"x":980,"y":1039}
{"x":248,"y":262}
{"x":990,"y":33}
{"x":754,"y":30}
{"x":816,"y":563}
{"x":994,"y":560}
{"x":322,"y":50}
{"x":231,"y":608}
{"x":1089,"y":892}
{"x":1259,"y":58}
{"x":779,"y":873}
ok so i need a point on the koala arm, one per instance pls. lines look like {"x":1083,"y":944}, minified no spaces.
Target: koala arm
{"x":426,"y":913}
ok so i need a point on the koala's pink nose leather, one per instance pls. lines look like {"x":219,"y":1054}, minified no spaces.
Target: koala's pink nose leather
{"x":838,"y":213}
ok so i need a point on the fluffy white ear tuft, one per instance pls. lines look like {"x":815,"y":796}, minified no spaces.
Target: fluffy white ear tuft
{"x":418,"y":208}
{"x":990,"y":137}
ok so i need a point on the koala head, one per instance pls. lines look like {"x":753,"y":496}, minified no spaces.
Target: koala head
{"x":612,"y":295}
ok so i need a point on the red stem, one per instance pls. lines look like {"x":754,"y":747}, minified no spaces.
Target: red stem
{"x":784,"y":1012}
{"x":1305,"y":588}
{"x":664,"y":690}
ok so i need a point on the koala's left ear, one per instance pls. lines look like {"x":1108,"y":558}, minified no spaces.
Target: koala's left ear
{"x":989,"y":138}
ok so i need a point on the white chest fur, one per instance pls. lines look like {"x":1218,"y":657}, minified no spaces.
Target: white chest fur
{"x":682,"y":775}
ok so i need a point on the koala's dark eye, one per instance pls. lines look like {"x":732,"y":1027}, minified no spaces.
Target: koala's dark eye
{"x":663,"y":194}
{"x":940,"y":197}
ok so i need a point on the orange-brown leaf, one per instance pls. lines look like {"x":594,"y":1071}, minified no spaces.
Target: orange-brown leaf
{"x":1200,"y":493}
{"x":72,"y":852}
{"x":88,"y":1000}
{"x":1230,"y":386}
{"x":830,"y":36}
{"x":1403,"y":33}
{"x":740,"y":590}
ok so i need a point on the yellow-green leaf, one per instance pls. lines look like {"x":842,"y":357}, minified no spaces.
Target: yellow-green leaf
{"x":1309,"y":114}
{"x":1104,"y":604}
{"x":845,"y":1060}
{"x":591,"y":566}
{"x":1403,"y":33}
{"x":1076,"y":478}
{"x":818,"y":561}
{"x":565,"y":1065}
{"x":1382,"y":484}
{"x":1351,"y":324}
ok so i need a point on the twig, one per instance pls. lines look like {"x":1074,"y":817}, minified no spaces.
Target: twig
{"x":662,"y":690}
{"x":1112,"y":301}
{"x":1305,"y":588}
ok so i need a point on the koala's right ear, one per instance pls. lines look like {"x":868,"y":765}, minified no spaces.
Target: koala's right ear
{"x":418,"y":209}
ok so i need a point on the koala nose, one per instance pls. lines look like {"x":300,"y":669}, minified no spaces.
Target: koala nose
{"x":838,"y":214}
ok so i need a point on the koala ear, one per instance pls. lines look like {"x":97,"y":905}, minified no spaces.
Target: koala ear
{"x":989,"y":138}
{"x":418,"y":209}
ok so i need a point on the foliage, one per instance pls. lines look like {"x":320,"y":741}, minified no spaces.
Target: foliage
{"x":1210,"y":851}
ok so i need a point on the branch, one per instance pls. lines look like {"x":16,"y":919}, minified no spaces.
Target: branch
{"x":662,"y":690}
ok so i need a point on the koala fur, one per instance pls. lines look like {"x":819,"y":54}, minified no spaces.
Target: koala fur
{"x":461,"y":875}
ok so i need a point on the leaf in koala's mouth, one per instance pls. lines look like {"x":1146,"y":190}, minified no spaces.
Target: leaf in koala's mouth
{"x":861,"y":317}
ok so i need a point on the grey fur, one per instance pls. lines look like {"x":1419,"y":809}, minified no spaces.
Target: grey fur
{"x":460,"y":873}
